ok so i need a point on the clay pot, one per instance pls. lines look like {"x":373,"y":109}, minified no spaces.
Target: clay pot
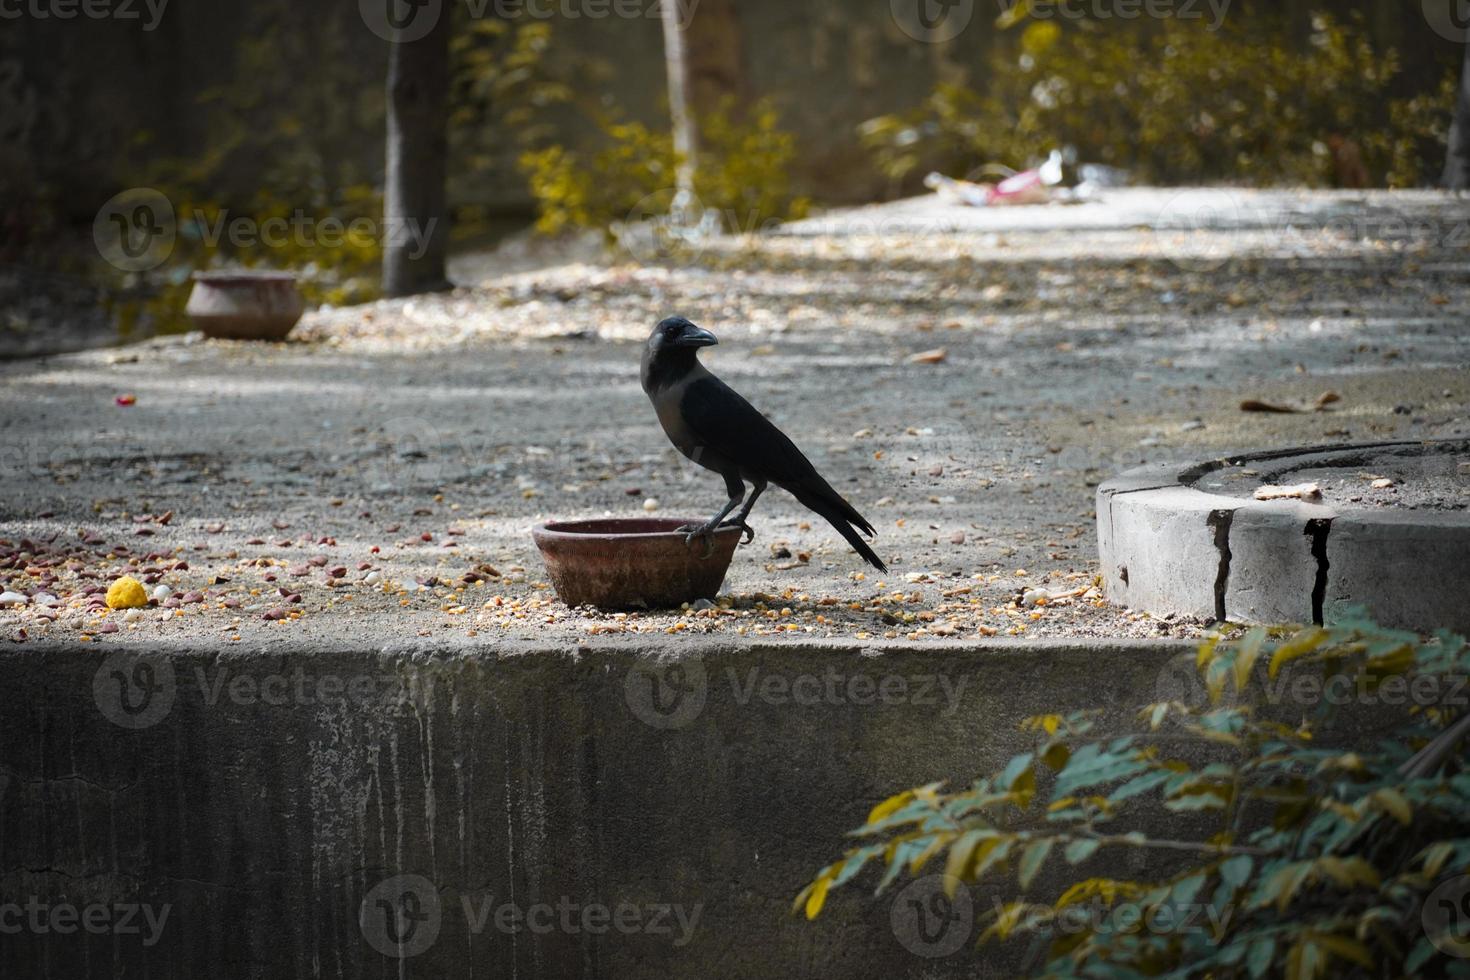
{"x":632,"y":563}
{"x":245,"y":304}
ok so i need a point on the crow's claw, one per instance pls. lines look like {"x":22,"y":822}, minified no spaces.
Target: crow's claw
{"x":702,"y":531}
{"x":749,"y":531}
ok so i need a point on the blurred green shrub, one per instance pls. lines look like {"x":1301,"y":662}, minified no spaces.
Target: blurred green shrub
{"x":505,"y":100}
{"x":287,"y":129}
{"x":334,"y":249}
{"x":293,"y":99}
{"x":1296,"y":857}
{"x":1177,"y":103}
{"x":742,"y":174}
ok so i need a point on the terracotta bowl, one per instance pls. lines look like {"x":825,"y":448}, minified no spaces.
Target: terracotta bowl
{"x":632,"y":562}
{"x":245,"y":304}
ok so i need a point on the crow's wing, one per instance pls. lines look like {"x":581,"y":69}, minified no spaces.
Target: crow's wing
{"x":731,"y":427}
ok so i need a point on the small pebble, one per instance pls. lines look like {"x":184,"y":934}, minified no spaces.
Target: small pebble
{"x":132,"y":615}
{"x":650,"y":504}
{"x":12,"y":599}
{"x":162,"y":592}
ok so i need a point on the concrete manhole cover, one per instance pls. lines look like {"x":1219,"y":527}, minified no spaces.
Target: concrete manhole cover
{"x":1390,"y":531}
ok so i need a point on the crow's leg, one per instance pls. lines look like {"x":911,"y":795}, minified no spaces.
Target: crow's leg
{"x":736,"y":488}
{"x":757,"y":488}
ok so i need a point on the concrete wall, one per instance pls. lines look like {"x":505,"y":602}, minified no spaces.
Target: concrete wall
{"x":253,"y":811}
{"x":195,"y":814}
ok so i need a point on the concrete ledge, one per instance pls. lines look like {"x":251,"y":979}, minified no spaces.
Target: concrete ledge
{"x":1420,"y":571}
{"x":261,"y":803}
{"x":1168,"y":546}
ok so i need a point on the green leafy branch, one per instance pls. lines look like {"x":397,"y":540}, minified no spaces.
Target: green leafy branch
{"x":1307,"y":855}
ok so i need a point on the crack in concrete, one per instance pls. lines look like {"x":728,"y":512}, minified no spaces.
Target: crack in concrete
{"x":1219,"y":522}
{"x":1318,"y":529}
{"x":1148,"y":489}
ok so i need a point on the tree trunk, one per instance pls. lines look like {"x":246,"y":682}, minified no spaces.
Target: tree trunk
{"x":1457,"y":165}
{"x":415,"y":205}
{"x":686,"y":143}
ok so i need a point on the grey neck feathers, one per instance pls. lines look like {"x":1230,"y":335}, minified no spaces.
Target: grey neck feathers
{"x":667,"y":366}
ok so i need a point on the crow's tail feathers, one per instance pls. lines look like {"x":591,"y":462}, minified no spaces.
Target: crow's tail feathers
{"x":841,"y":515}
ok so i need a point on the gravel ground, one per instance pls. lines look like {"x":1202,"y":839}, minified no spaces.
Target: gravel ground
{"x":965,"y":378}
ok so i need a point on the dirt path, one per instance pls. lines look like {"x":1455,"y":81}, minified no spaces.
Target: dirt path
{"x":408,"y":445}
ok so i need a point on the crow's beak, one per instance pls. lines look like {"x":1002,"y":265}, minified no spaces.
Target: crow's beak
{"x":698,"y":337}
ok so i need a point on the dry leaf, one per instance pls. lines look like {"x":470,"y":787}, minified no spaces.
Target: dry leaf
{"x":1302,"y":491}
{"x":1253,"y":405}
{"x":936,"y":356}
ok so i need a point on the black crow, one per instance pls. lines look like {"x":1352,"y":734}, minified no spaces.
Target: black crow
{"x":712,"y":425}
